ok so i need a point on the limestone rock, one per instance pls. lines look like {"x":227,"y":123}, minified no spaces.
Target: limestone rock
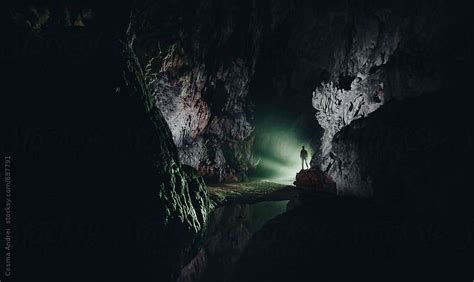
{"x":315,"y":180}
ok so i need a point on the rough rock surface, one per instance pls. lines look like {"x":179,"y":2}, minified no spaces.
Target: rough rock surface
{"x":390,"y":54}
{"x":199,"y":59}
{"x":359,"y":80}
{"x":336,"y":108}
{"x":315,"y":180}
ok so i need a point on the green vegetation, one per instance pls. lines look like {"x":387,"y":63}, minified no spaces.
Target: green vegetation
{"x":247,"y":192}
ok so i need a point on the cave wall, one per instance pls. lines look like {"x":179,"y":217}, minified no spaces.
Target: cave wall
{"x":204,"y":59}
{"x":389,"y":83}
{"x":409,"y":52}
{"x":214,"y":65}
{"x":100,"y":192}
{"x":199,"y":59}
{"x":350,"y":58}
{"x":363,"y":71}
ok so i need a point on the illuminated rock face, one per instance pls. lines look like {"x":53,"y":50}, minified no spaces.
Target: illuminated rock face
{"x":199,"y":72}
{"x":389,"y":55}
{"x":356,"y":84}
{"x":336,"y":108}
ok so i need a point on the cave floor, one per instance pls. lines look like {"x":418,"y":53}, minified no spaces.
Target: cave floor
{"x":251,"y":192}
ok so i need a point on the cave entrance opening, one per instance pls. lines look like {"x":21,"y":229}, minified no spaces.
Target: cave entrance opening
{"x":277,"y":145}
{"x":281,"y":129}
{"x":283,"y":114}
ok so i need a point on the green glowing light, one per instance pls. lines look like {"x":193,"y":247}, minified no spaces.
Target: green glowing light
{"x":278,"y":145}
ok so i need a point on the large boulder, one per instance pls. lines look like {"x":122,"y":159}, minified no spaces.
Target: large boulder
{"x":316,"y":180}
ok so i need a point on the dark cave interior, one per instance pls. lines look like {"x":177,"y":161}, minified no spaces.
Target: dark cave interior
{"x":159,"y":140}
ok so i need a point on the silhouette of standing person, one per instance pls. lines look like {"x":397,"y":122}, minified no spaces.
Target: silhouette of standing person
{"x":304,"y":158}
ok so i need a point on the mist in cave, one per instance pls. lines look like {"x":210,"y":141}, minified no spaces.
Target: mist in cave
{"x":278,"y":145}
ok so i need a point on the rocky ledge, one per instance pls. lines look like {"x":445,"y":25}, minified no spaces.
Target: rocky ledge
{"x":316,"y":180}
